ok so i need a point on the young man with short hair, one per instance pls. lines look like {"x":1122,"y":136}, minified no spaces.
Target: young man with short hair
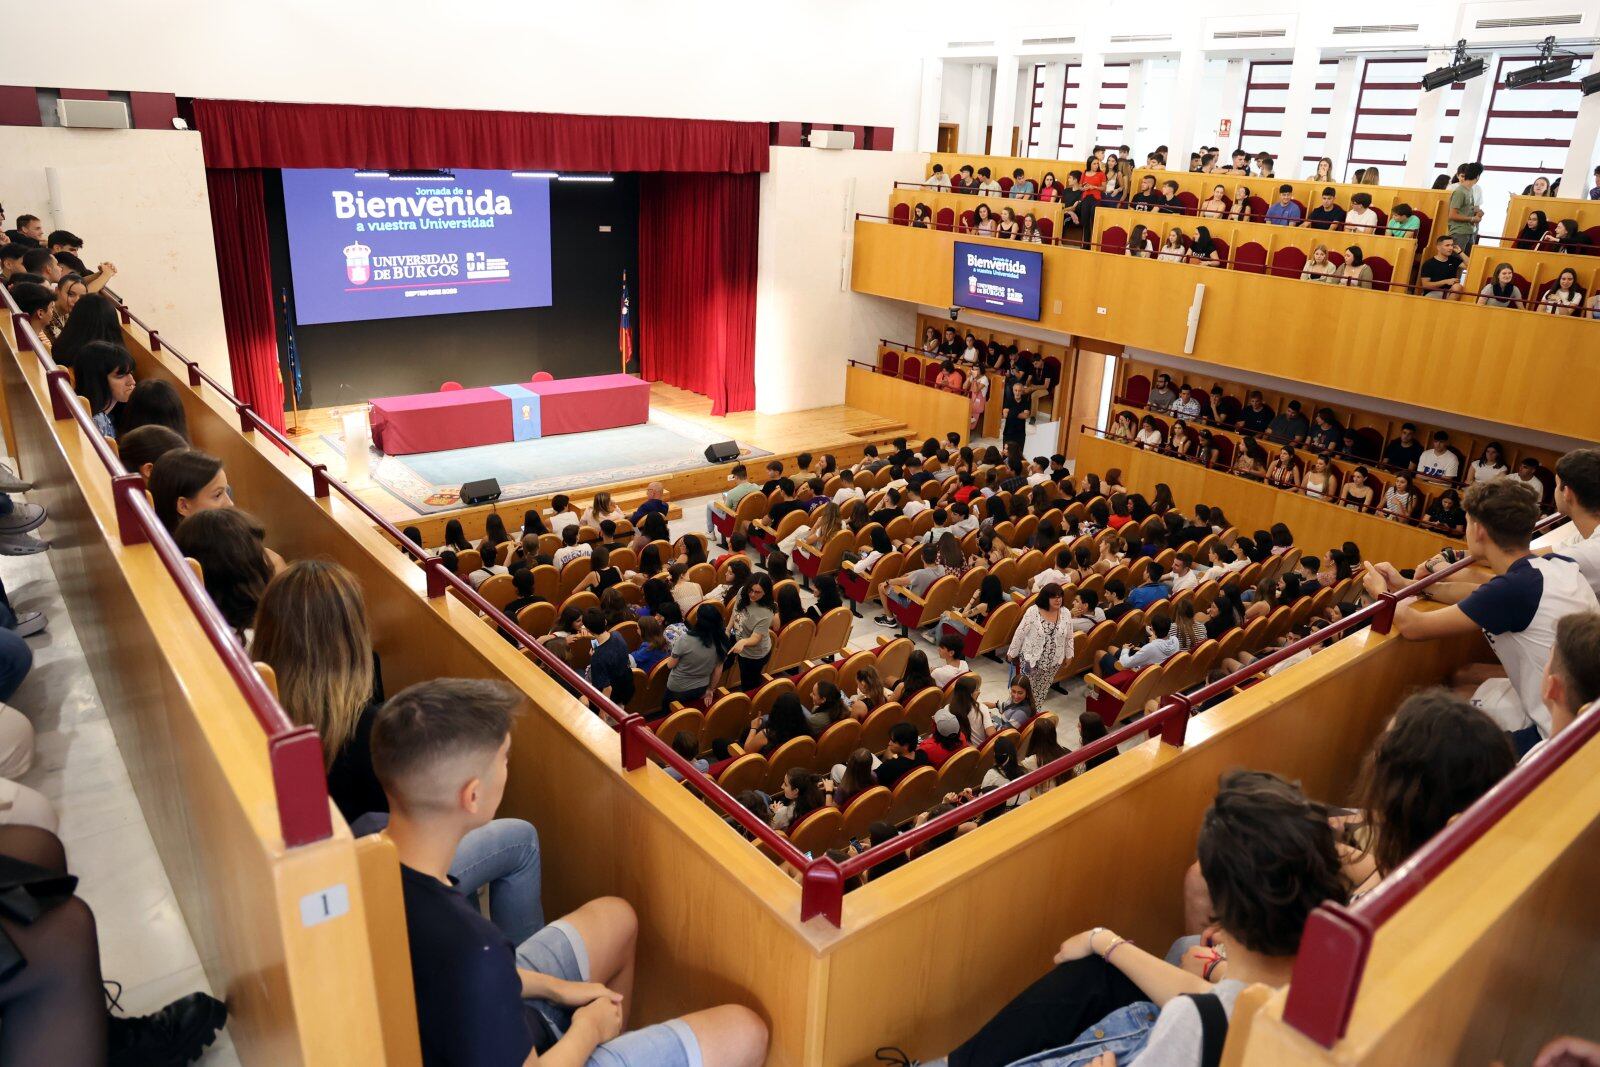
{"x":901,"y":757}
{"x":1022,"y":187}
{"x":1328,"y":433}
{"x":1440,"y":274}
{"x":1184,"y":576}
{"x":1578,"y":498}
{"x":1527,"y":473}
{"x":1291,"y":426}
{"x":29,"y":232}
{"x":1438,"y":461}
{"x":1152,"y":590}
{"x":11,"y":260}
{"x":951,"y":663}
{"x":1405,"y":450}
{"x":1170,"y":204}
{"x":1039,"y":471}
{"x":728,"y":503}
{"x":915,"y":582}
{"x":1255,"y":416}
{"x":1162,"y":394}
{"x":1572,"y":677}
{"x":1464,"y":212}
{"x":1361,"y":218}
{"x":1516,"y":604}
{"x":938,"y":179}
{"x":1146,"y":199}
{"x":440,"y":749}
{"x":987,"y":186}
{"x":610,"y":667}
{"x":1187,"y":405}
{"x":964,"y":181}
{"x":39,"y":261}
{"x":1284,"y":211}
{"x":1114,"y":605}
{"x":570,"y":549}
{"x":1241,"y":161}
{"x":1326,"y":216}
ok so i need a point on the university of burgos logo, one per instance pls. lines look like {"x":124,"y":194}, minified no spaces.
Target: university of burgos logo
{"x":358,"y":263}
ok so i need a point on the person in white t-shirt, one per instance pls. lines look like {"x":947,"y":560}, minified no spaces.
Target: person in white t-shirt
{"x":1361,"y":218}
{"x":1572,"y":677}
{"x":1439,"y":461}
{"x":561,"y":518}
{"x":987,"y":186}
{"x":1516,"y":604}
{"x":1492,"y":464}
{"x":1578,"y":498}
{"x":1527,"y":473}
{"x":1039,"y":471}
{"x":847,"y":490}
{"x":1149,"y":435}
{"x":938,"y":179}
{"x":1183,"y":575}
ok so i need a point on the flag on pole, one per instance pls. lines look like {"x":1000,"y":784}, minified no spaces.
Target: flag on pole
{"x":625,"y":327}
{"x":288,"y":329}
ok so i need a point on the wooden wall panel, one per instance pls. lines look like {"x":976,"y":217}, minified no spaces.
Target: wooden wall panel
{"x":1503,"y":368}
{"x":927,"y":412}
{"x":978,"y":920}
{"x":198,"y":762}
{"x":1250,"y":505}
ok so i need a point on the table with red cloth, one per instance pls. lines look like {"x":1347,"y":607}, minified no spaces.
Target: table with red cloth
{"x":463,"y":418}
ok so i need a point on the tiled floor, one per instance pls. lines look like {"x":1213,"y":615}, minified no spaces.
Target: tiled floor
{"x":143,"y":941}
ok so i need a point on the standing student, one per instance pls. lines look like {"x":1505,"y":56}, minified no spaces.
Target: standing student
{"x":440,"y":748}
{"x":750,"y":630}
{"x":696,"y":660}
{"x":1464,"y":213}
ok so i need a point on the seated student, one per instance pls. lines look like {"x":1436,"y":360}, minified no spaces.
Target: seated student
{"x":1361,"y":218}
{"x":140,"y":448}
{"x":740,"y":486}
{"x":1572,"y":677}
{"x":916,"y":678}
{"x":153,"y":402}
{"x":1326,"y":216}
{"x":1085,"y":611}
{"x":1291,"y":425}
{"x":951,"y":663}
{"x":230,"y":547}
{"x":1403,"y":222}
{"x":1567,"y":236}
{"x":1284,"y":211}
{"x":561,"y":514}
{"x":1147,"y":198}
{"x":1153,"y":588}
{"x":312,"y":630}
{"x":1149,"y":435}
{"x":37,"y":304}
{"x":1268,"y":858}
{"x":103,"y":375}
{"x":1439,"y":461}
{"x":1255,"y":416}
{"x":1405,"y":450}
{"x":1321,"y":481}
{"x":1113,"y":603}
{"x":1501,"y":289}
{"x":440,"y":749}
{"x":570,"y":548}
{"x":522,"y":582}
{"x":1121,"y":664}
{"x":1139,"y":241}
{"x":1355,"y":272}
{"x":186,"y":481}
{"x":901,"y":757}
{"x":1319,"y":268}
{"x":1440,"y":274}
{"x":916,"y":582}
{"x":1565,"y":297}
{"x":1286,"y":469}
{"x":945,"y":740}
{"x":1516,"y":604}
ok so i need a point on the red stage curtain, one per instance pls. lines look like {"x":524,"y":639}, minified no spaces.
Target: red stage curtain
{"x":239,"y":227}
{"x":252,"y":133}
{"x":697,"y":284}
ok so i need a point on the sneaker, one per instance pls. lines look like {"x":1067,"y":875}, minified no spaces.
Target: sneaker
{"x":21,"y":545}
{"x":174,"y":1036}
{"x":10,"y":483}
{"x":30,"y":623}
{"x":23,"y":517}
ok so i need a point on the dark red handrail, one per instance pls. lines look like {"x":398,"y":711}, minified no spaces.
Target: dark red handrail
{"x":294,"y":752}
{"x":1338,"y":938}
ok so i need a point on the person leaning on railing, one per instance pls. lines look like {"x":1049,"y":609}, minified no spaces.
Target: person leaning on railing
{"x":1516,"y":599}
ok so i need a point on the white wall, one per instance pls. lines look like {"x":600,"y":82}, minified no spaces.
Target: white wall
{"x":808,"y":322}
{"x":138,"y":199}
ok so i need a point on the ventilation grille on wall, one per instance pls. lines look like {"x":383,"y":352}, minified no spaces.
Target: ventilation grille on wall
{"x":1141,"y":38}
{"x":1528,"y":22}
{"x":1242,"y":35}
{"x":1049,"y":40}
{"x":1345,"y":31}
{"x":969,"y":44}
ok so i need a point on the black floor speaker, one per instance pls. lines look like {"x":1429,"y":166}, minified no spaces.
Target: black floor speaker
{"x":722,"y":452}
{"x":483,"y":491}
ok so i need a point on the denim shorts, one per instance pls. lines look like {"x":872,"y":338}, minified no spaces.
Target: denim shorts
{"x":558,"y":952}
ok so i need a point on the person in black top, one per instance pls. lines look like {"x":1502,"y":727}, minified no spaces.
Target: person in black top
{"x":1292,"y":425}
{"x":1328,"y":433}
{"x":1146,"y":199}
{"x":901,"y":757}
{"x":1255,"y":416}
{"x":441,"y":750}
{"x":1440,"y":273}
{"x":952,"y":345}
{"x":610,"y":667}
{"x":1014,"y":427}
{"x":522,"y":582}
{"x":1327,"y":216}
{"x":1405,"y":450}
{"x":1114,"y":604}
{"x":776,"y":480}
{"x":1447,"y":513}
{"x":1169,"y":199}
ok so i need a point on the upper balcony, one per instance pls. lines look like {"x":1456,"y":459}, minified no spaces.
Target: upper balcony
{"x":1511,"y":367}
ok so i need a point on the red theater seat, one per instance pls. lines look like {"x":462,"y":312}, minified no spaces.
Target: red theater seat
{"x":1136,"y":390}
{"x":1288,"y":262}
{"x":889,"y":363}
{"x":911,"y":369}
{"x":1382,"y":271}
{"x":1114,"y":240}
{"x":945,"y":219}
{"x":1258,"y":208}
{"x":930,"y":373}
{"x":1005,"y":185}
{"x":1189,"y":201}
{"x":1046,"y":228}
{"x":900,"y":214}
{"x":1251,"y":258}
{"x":1222,"y":250}
{"x":1371,"y":440}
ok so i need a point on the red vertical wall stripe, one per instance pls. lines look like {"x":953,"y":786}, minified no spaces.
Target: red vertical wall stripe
{"x":239,"y":227}
{"x":697,"y":284}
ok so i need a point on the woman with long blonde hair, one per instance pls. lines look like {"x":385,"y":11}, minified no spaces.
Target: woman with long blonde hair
{"x":311,"y":629}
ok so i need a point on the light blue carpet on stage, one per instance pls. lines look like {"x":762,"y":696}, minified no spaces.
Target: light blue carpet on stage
{"x":431,"y":481}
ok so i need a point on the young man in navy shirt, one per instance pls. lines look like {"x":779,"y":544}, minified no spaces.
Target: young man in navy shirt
{"x":1516,"y":603}
{"x":440,"y":749}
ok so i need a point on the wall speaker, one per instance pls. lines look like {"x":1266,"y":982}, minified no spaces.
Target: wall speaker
{"x":93,"y":114}
{"x":722,"y":452}
{"x":483,"y":491}
{"x":833,"y":139}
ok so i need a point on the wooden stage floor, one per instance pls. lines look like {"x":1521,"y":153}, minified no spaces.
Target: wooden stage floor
{"x":817,"y":430}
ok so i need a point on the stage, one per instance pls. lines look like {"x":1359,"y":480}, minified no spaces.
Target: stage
{"x":420,"y":489}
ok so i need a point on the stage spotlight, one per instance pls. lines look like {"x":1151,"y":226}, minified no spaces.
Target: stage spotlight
{"x":1462,"y":68}
{"x":1550,"y":70}
{"x":1590,"y":85}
